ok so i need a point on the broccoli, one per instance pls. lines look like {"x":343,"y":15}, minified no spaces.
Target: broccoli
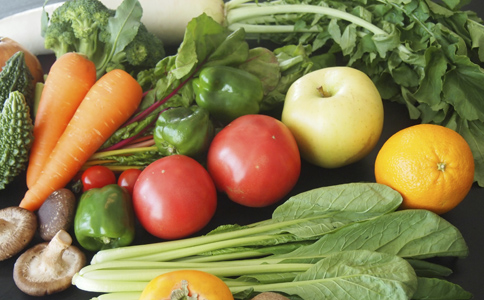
{"x":109,"y":38}
{"x":144,"y":52}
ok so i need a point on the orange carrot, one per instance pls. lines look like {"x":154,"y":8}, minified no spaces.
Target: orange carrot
{"x":107,"y":105}
{"x":70,"y":78}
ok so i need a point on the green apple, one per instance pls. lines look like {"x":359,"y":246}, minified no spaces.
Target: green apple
{"x":335,"y":114}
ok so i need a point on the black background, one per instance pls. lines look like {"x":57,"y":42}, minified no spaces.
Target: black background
{"x":468,"y":272}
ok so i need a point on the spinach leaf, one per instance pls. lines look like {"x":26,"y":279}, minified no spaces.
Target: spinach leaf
{"x":439,"y":289}
{"x":407,"y":233}
{"x":359,"y":274}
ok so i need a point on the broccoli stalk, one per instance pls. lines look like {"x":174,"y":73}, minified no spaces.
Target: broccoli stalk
{"x":110,"y":38}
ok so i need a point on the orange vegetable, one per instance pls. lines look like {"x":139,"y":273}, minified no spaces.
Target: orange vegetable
{"x":70,"y":78}
{"x":202,"y":284}
{"x":107,"y":105}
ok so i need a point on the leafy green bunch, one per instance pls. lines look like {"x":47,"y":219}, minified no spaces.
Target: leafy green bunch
{"x":424,"y":54}
{"x":112,"y":39}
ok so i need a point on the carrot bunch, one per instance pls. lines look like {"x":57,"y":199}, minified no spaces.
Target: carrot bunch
{"x":76,"y":115}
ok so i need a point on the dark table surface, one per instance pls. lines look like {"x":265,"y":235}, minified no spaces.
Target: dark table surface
{"x":468,"y":216}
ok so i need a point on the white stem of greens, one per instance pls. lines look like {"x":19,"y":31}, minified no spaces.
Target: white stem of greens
{"x":197,"y":249}
{"x":241,"y":13}
{"x":144,"y":274}
{"x":181,"y":245}
{"x":119,"y":296}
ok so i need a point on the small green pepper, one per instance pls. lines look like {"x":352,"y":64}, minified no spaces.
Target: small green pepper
{"x":104,"y":218}
{"x":227,"y":92}
{"x":184,"y":130}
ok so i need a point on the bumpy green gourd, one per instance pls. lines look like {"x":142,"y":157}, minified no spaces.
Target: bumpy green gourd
{"x":16,"y":137}
{"x":16,"y":76}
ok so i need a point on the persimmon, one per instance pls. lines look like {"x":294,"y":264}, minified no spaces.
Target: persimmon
{"x":193,"y":283}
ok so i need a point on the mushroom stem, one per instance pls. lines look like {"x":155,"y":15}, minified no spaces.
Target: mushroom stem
{"x":52,"y":253}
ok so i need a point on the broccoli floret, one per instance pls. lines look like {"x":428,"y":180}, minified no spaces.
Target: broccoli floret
{"x":78,"y":25}
{"x":89,"y":27}
{"x":60,"y":39}
{"x":144,"y":52}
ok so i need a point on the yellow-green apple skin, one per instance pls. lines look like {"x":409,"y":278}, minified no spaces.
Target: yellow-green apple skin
{"x":337,"y":128}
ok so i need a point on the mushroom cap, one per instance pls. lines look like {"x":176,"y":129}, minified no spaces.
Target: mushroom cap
{"x":56,"y":213}
{"x":17,"y":228}
{"x":47,"y":268}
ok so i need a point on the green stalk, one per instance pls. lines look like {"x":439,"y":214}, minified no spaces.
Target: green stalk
{"x":197,"y":249}
{"x":143,"y":274}
{"x":182,"y":245}
{"x":250,"y":15}
{"x":108,"y":286}
{"x":225,"y":257}
{"x":119,"y":296}
{"x":242,"y":13}
{"x":124,"y":151}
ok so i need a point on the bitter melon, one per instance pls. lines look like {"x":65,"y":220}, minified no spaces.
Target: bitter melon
{"x":16,"y":76}
{"x":16,"y":137}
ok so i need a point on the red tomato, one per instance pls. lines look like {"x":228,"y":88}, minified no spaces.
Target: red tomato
{"x":174,"y":197}
{"x":128,"y":178}
{"x":254,"y":160}
{"x":97,"y":177}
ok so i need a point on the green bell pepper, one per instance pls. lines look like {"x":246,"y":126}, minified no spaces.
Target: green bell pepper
{"x":227,"y":92}
{"x":184,"y":130}
{"x":104,"y":218}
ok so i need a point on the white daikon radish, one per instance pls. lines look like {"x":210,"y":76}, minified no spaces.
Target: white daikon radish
{"x":165,"y":18}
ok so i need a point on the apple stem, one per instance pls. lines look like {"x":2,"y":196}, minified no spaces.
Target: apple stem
{"x":323,"y":92}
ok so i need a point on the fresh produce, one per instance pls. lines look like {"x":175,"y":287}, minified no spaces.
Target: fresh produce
{"x":307,"y":246}
{"x":184,"y":130}
{"x":97,"y":177}
{"x":335,"y":114}
{"x":16,"y":135}
{"x":164,"y":23}
{"x":227,"y":92}
{"x":9,"y":47}
{"x":185,"y":284}
{"x":174,"y":197}
{"x":168,"y":85}
{"x":15,"y":76}
{"x":424,"y":54}
{"x":254,"y":160}
{"x":128,"y":178}
{"x":18,"y":228}
{"x":107,"y":105}
{"x":104,"y":218}
{"x":430,"y":165}
{"x":56,"y":213}
{"x":48,"y":268}
{"x":110,"y":38}
{"x":70,"y":78}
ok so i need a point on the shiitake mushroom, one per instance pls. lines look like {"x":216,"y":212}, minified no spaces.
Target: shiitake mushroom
{"x":17,"y":229}
{"x":56,"y":213}
{"x":48,"y":267}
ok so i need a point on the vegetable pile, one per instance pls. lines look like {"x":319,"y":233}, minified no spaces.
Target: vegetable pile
{"x":112,"y":39}
{"x":314,"y":241}
{"x":426,"y":55}
{"x":181,"y":128}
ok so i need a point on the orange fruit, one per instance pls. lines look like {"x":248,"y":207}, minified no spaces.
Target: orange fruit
{"x":430,"y":165}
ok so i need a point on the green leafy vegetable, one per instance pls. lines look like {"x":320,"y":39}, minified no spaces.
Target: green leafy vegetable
{"x":109,"y":38}
{"x":206,"y":44}
{"x":344,"y":241}
{"x":424,"y":54}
